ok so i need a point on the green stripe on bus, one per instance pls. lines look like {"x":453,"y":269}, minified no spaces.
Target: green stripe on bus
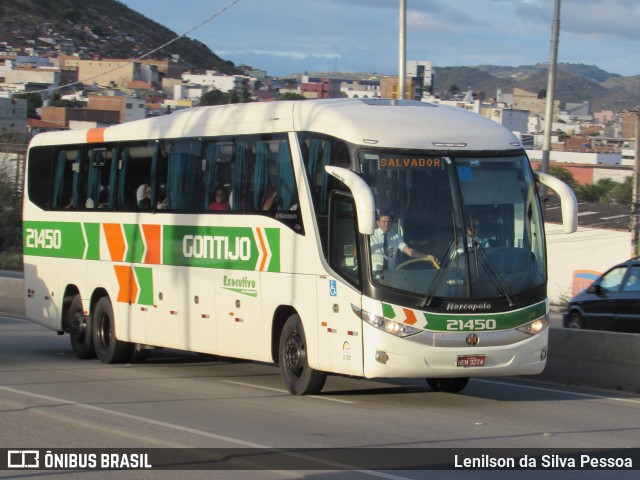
{"x":61,"y":239}
{"x":218,"y":247}
{"x":504,"y":320}
{"x":144,"y":275}
{"x":469,"y":322}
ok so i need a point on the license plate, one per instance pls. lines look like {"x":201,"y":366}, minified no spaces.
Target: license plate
{"x":471,"y":361}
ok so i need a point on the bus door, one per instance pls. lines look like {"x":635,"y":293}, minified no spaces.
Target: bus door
{"x":340,"y":335}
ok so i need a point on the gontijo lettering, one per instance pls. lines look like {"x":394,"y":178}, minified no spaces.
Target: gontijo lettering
{"x":216,"y":247}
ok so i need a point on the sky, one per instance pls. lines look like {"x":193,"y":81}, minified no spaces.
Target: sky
{"x":295,"y":36}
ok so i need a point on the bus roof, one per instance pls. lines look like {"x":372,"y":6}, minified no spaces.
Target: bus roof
{"x":383,"y":123}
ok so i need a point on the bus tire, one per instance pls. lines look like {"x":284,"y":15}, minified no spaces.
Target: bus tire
{"x":108,"y":348}
{"x":298,"y":377}
{"x":79,"y":327}
{"x":448,"y":385}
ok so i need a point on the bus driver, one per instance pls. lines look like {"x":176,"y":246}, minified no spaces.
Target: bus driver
{"x":386,"y":244}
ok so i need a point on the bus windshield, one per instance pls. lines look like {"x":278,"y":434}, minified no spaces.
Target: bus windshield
{"x":458,"y":227}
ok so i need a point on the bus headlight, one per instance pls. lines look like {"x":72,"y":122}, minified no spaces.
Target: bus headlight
{"x":535,"y":327}
{"x":394,"y":328}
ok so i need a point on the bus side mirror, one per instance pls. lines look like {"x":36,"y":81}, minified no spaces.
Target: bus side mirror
{"x":568,"y":200}
{"x":365,"y":205}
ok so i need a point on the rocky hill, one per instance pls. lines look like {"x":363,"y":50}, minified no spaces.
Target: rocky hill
{"x":105,"y":28}
{"x":575,"y":83}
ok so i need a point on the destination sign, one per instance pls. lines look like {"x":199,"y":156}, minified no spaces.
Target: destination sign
{"x":410,"y":162}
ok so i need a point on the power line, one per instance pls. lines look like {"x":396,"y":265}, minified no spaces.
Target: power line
{"x":204,"y":22}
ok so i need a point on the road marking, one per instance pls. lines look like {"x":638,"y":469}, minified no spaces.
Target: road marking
{"x":582,"y":214}
{"x":615,"y":216}
{"x":330,"y":465}
{"x":279,"y":390}
{"x":566,"y":392}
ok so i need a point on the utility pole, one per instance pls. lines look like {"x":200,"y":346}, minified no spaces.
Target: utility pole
{"x":551,"y":84}
{"x":636,"y":189}
{"x":402,"y":54}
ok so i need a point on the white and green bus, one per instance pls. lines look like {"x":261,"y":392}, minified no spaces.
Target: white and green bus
{"x":246,"y":231}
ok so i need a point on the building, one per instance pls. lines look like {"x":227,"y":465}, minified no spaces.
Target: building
{"x":225,"y":83}
{"x":128,"y":108}
{"x":390,"y":88}
{"x":320,"y":88}
{"x":523,"y":100}
{"x":13,"y":115}
{"x":514,"y":120}
{"x":358,"y":89}
{"x":28,"y":78}
{"x":422,"y":76}
{"x":79,"y":118}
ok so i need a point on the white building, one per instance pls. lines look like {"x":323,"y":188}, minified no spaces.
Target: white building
{"x":224,"y":83}
{"x":578,"y":157}
{"x":422,"y":72}
{"x":358,"y":90}
{"x":21,"y":78}
{"x":514,"y":120}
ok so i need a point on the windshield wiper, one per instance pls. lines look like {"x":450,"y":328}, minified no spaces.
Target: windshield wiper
{"x":451,"y":251}
{"x":481,"y":256}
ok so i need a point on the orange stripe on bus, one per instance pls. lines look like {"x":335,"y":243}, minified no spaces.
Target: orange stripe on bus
{"x":264,"y":250}
{"x":411,"y":317}
{"x":128,"y":292}
{"x":95,"y":135}
{"x":115,"y":241}
{"x":152,"y":235}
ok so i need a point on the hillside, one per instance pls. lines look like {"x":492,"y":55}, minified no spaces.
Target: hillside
{"x":574,"y":83}
{"x":105,"y":28}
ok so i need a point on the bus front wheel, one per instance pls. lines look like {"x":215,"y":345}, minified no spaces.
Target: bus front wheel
{"x":108,"y":348}
{"x":448,"y":385}
{"x":79,"y":328}
{"x":298,"y":377}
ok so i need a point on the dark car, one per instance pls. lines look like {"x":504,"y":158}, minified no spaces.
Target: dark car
{"x":611,"y":303}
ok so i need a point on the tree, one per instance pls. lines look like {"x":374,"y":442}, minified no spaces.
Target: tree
{"x":214,"y":97}
{"x":605,"y":190}
{"x":10,"y":217}
{"x":34,"y":101}
{"x":292,"y":96}
{"x":621,"y":193}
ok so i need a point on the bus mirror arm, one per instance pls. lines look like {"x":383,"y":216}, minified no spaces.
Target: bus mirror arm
{"x":365,"y":204}
{"x":568,"y":200}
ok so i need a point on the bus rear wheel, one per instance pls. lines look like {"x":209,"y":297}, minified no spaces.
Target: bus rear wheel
{"x":79,"y":327}
{"x":298,"y":377}
{"x":108,"y":348}
{"x":448,"y":385}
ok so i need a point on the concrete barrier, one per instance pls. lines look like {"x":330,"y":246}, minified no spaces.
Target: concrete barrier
{"x":593,"y":358}
{"x":12,"y":295}
{"x":576,"y":357}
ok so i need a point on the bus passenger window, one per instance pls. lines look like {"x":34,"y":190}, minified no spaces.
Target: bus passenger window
{"x":65,"y":193}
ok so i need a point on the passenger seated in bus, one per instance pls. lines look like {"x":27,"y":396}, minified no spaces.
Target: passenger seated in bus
{"x":220,"y":201}
{"x":271,"y":201}
{"x":386,"y":244}
{"x":162,"y":193}
{"x":478,"y":232}
{"x":143,"y":197}
{"x":103,"y":196}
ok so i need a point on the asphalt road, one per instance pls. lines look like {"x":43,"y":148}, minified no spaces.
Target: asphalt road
{"x":50,"y":399}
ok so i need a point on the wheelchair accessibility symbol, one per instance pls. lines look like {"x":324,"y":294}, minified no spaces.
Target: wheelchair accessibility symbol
{"x":333,"y":288}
